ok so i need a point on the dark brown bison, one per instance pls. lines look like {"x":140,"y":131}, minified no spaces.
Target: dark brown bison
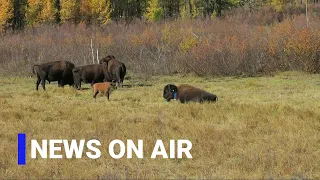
{"x":116,"y":69}
{"x":186,"y":93}
{"x":93,"y":73}
{"x":60,"y":71}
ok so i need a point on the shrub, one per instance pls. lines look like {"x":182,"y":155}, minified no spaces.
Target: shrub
{"x":219,"y":47}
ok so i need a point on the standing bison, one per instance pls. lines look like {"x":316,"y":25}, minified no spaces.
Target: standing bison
{"x":116,"y":69}
{"x":60,"y":71}
{"x":93,"y":73}
{"x":185,"y":93}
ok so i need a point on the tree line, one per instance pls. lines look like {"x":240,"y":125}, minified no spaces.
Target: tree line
{"x":16,"y":14}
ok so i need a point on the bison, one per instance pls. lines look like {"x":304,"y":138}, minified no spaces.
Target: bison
{"x":105,"y":87}
{"x":60,"y":71}
{"x":116,"y":69}
{"x":186,"y":93}
{"x":93,"y":73}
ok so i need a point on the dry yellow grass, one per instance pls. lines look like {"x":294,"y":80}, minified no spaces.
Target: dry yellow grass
{"x":265,"y":127}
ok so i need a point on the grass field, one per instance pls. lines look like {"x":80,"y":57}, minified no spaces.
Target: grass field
{"x":264,"y":127}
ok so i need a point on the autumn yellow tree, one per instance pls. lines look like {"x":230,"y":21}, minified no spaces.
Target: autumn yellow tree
{"x":278,"y":5}
{"x":96,"y":11}
{"x":33,"y":12}
{"x":70,"y":10}
{"x":185,"y":11}
{"x":106,"y":14}
{"x":194,"y":9}
{"x":40,"y":11}
{"x":154,"y":11}
{"x":6,"y":12}
{"x":48,"y":11}
{"x":188,"y":9}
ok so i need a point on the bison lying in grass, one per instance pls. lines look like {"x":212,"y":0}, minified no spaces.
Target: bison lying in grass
{"x":60,"y":71}
{"x":186,"y":93}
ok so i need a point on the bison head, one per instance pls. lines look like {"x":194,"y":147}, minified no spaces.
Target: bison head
{"x":170,"y":92}
{"x":106,"y":59}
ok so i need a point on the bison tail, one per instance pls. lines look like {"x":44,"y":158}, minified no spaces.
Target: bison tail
{"x":34,"y":69}
{"x":124,"y":70}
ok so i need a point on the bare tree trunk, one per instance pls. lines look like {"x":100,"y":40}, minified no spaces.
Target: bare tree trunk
{"x":92,"y":52}
{"x":307,"y":18}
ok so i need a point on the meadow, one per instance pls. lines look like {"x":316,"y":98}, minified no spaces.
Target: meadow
{"x":261,"y":127}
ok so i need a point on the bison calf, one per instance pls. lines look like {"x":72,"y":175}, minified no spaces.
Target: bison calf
{"x":185,"y":93}
{"x":105,"y":87}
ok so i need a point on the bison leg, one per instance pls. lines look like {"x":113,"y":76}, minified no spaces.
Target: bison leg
{"x":96,"y":79}
{"x":95,"y":94}
{"x":121,"y":83}
{"x":76,"y":81}
{"x":108,"y":93}
{"x":79,"y":85}
{"x":118,"y":82}
{"x":60,"y":83}
{"x":38,"y":83}
{"x":43,"y":83}
{"x":121,"y":80}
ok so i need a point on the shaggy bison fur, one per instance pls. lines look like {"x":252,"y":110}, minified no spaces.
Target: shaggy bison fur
{"x":186,"y":93}
{"x":116,"y":69}
{"x":60,"y":71}
{"x":93,"y":73}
